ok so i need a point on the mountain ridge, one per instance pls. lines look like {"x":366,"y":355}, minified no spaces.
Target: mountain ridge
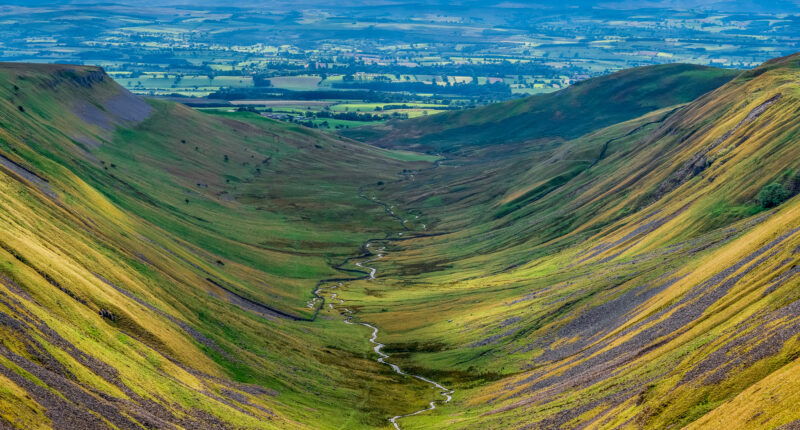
{"x":566,"y":114}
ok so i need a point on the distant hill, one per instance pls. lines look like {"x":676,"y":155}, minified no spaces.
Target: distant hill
{"x":566,"y":114}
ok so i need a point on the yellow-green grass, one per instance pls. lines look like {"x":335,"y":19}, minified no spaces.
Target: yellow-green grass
{"x":549,"y":258}
{"x":96,"y":223}
{"x":601,"y":276}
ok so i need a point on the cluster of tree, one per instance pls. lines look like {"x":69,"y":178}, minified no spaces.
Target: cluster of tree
{"x":497,"y":89}
{"x":500,"y":69}
{"x":405,"y":106}
{"x":780,"y":190}
{"x":325,"y":124}
{"x":350,"y":116}
{"x":261,"y":81}
{"x":282,"y":94}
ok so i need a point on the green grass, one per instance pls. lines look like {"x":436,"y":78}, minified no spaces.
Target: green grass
{"x":335,"y":124}
{"x":258,"y":220}
{"x":548,"y":273}
{"x":540,"y":234}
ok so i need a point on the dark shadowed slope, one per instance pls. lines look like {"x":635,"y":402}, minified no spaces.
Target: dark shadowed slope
{"x":566,"y":114}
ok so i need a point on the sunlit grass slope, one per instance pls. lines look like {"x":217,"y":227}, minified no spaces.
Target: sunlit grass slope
{"x":621,"y":254}
{"x":153,"y":261}
{"x":632,"y":276}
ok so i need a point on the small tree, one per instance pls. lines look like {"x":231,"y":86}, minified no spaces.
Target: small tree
{"x":772,"y":195}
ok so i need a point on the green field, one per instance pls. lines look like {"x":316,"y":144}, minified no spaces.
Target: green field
{"x":296,"y":83}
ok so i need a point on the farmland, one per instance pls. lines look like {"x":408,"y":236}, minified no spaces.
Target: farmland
{"x":409,"y":54}
{"x":330,"y":114}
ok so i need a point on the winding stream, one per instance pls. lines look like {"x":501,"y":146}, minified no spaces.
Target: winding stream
{"x":446,"y":393}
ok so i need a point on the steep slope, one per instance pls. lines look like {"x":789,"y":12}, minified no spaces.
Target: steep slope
{"x":566,"y":114}
{"x":639,"y":275}
{"x":627,"y":267}
{"x":157,"y":265}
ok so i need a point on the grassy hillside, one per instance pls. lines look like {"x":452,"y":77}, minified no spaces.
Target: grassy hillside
{"x":567,"y":114}
{"x":638,"y":275}
{"x":158,"y":264}
{"x":572,"y":263}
